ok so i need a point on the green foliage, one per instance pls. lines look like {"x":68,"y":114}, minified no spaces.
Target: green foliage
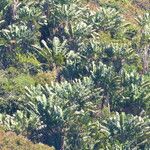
{"x":54,"y":56}
{"x":75,"y":74}
{"x":20,"y":123}
{"x":55,"y":105}
{"x":131,"y":131}
{"x":28,"y":59}
{"x":144,"y":22}
{"x":19,"y":83}
{"x":107,"y":19}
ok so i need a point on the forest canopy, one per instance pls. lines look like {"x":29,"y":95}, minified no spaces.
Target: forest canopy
{"x":75,"y":74}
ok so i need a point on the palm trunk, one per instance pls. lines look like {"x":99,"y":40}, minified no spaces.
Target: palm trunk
{"x":145,"y":58}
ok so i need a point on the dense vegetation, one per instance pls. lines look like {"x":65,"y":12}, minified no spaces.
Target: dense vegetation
{"x":74,"y":74}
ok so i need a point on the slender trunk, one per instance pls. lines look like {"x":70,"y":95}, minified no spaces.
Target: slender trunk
{"x":145,"y":58}
{"x":62,"y":143}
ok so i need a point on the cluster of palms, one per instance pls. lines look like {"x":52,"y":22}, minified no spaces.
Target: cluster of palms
{"x":99,"y":95}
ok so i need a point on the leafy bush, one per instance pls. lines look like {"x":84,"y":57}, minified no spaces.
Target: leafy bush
{"x":75,"y":74}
